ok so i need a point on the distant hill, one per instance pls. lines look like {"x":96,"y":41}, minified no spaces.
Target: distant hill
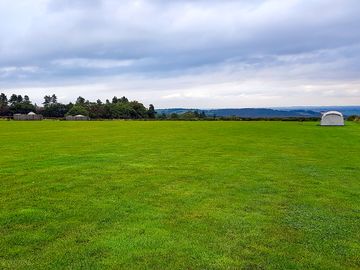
{"x":247,"y":112}
{"x":345,"y":110}
{"x":283,"y":112}
{"x":261,"y":113}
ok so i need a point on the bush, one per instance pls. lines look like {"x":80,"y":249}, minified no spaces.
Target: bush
{"x":355,"y":118}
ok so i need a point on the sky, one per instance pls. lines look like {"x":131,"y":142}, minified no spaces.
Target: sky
{"x":183,"y":53}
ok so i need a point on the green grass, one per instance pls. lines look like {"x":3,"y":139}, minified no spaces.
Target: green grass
{"x":179,"y":195}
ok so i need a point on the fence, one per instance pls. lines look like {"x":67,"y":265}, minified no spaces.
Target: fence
{"x":28,"y":117}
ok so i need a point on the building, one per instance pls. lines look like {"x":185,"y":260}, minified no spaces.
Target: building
{"x":78,"y":117}
{"x":332,"y":118}
{"x":31,"y":116}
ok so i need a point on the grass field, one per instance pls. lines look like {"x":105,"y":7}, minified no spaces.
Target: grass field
{"x":179,"y":195}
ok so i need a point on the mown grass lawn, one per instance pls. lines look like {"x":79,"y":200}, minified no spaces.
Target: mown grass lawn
{"x":179,"y":195}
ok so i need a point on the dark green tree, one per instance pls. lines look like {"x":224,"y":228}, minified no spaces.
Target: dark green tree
{"x":53,"y":99}
{"x":138,"y":110}
{"x":4,"y":107}
{"x":115,"y":100}
{"x":162,"y":116}
{"x":19,"y":98}
{"x":124,"y":100}
{"x":54,"y":110}
{"x":18,"y":104}
{"x":174,"y":116}
{"x":3,"y":99}
{"x":47,"y":100}
{"x":151,"y":111}
{"x":13,"y":99}
{"x":26,"y":99}
{"x":78,"y":109}
{"x":80,"y":100}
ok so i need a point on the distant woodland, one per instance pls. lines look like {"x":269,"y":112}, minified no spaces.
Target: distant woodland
{"x":117,"y":108}
{"x":122,"y":108}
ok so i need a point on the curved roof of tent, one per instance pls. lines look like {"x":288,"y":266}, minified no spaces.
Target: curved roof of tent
{"x":79,"y":115}
{"x":31,"y":113}
{"x":333,"y":113}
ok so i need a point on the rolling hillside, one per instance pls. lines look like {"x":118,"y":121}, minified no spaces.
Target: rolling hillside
{"x":269,"y":112}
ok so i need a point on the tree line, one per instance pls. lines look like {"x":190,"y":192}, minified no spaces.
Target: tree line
{"x":117,"y":108}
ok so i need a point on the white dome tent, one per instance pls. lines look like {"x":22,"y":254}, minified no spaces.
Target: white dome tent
{"x":332,"y":118}
{"x":26,"y":117}
{"x":78,"y":117}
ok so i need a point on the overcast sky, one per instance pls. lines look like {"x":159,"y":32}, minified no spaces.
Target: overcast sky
{"x":183,"y":53}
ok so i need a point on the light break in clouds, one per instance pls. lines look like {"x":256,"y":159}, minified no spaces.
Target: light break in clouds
{"x":183,"y":53}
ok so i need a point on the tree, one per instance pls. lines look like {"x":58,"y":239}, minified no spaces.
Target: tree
{"x":3,"y":98}
{"x":117,"y":108}
{"x":124,"y":100}
{"x":47,"y":100}
{"x":55,"y":110}
{"x":53,"y":99}
{"x":26,"y":99}
{"x":13,"y":99}
{"x":4,"y":108}
{"x":151,"y":111}
{"x":78,"y":109}
{"x":18,"y":104}
{"x":139,"y":110}
{"x":174,"y":116}
{"x":115,"y":100}
{"x":119,"y":111}
{"x":189,"y":115}
{"x":80,"y":100}
{"x":52,"y":108}
{"x":162,"y":116}
{"x":96,"y":110}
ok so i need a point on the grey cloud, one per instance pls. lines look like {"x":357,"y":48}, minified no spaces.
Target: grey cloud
{"x":61,"y":5}
{"x":68,"y":40}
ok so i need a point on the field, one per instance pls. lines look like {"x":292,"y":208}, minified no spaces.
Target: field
{"x":179,"y":195}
